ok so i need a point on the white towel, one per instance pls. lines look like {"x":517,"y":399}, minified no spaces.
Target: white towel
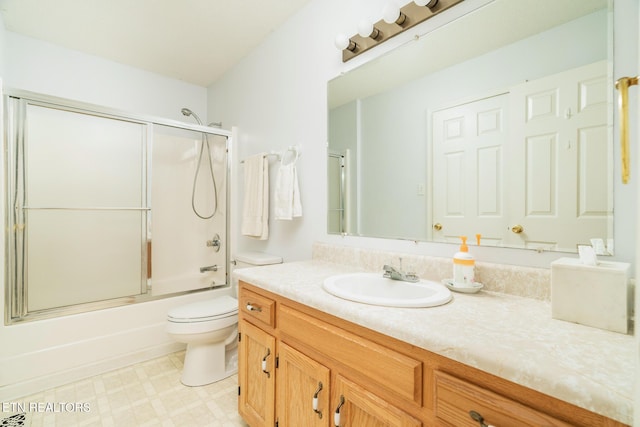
{"x":287,"y":193}
{"x":255,"y":213}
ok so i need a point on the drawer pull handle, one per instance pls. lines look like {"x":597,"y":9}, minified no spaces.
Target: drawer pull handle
{"x":479,"y":418}
{"x":315,"y":401}
{"x":253,"y":308}
{"x":264,"y":363}
{"x":336,"y":415}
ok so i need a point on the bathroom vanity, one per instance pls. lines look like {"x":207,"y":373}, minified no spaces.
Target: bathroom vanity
{"x":309,"y":358}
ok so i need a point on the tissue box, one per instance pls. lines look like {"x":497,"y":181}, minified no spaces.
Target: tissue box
{"x":598,"y":296}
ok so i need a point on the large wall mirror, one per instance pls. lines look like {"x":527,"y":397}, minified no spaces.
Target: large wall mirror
{"x":497,"y":124}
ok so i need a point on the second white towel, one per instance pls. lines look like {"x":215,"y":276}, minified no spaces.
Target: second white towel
{"x":287,"y":194}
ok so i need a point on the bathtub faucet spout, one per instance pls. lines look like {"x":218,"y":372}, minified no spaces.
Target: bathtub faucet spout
{"x":209,"y":268}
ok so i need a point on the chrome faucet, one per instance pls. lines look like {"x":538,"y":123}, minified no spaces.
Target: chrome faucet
{"x":209,"y":268}
{"x":392,"y":273}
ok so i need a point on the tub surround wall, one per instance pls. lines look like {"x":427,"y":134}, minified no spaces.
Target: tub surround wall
{"x":525,"y":282}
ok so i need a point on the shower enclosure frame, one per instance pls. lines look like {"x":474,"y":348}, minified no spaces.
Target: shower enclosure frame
{"x":15,"y":102}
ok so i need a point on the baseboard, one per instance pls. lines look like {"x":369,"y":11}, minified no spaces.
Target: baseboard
{"x":13,"y":392}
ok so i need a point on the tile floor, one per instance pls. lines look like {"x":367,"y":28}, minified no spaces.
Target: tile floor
{"x":141,"y":395}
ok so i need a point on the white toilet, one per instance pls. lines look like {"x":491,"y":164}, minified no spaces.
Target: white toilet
{"x":210,"y":330}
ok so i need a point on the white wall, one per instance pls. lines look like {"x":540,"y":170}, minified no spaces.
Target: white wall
{"x":38,"y":355}
{"x":277,"y":97}
{"x":49,"y":69}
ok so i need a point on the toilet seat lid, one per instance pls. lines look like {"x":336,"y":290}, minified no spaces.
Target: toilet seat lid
{"x":212,"y":308}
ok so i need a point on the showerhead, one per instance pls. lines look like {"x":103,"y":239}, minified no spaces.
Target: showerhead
{"x":187,"y":112}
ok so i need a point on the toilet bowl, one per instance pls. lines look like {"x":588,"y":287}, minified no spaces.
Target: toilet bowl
{"x":209,"y":328}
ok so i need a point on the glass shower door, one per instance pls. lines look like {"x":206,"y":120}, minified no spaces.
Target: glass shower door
{"x":81,"y":208}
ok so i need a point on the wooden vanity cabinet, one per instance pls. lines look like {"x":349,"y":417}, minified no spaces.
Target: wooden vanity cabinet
{"x":299,"y":366}
{"x":281,"y":385}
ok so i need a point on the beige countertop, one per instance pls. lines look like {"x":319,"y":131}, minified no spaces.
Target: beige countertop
{"x":512,"y":337}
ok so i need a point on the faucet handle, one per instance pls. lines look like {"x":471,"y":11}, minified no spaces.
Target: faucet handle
{"x":412,"y":277}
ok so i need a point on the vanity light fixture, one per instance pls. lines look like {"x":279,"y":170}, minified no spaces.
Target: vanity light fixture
{"x":394,"y":21}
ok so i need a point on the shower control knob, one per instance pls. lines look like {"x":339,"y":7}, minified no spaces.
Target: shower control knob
{"x":215,"y":242}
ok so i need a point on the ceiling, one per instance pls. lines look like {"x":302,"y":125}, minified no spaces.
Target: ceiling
{"x":196,"y":41}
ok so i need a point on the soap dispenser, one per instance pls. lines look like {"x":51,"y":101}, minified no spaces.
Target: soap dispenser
{"x":463,"y":265}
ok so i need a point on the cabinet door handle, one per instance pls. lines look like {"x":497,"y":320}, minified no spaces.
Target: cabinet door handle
{"x":336,"y":415}
{"x":264,"y":363}
{"x":479,"y":418}
{"x":315,"y":401}
{"x":251,"y":307}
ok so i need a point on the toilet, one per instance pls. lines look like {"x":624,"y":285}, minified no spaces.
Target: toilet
{"x":210,"y":330}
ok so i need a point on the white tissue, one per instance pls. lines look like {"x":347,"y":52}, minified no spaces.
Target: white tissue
{"x":587,"y":255}
{"x":598,"y":246}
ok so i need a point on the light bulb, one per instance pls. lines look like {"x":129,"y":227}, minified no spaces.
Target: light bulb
{"x":343,"y":42}
{"x":365,"y":28}
{"x":392,"y":14}
{"x":428,"y":3}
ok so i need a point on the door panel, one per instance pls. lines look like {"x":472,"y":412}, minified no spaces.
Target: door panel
{"x":469,"y":192}
{"x":561,"y":144}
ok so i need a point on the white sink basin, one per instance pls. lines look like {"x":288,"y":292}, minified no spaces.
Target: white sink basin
{"x":371,"y":288}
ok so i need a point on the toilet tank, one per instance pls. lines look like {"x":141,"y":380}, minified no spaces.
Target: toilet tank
{"x":254,"y":259}
{"x":251,"y":259}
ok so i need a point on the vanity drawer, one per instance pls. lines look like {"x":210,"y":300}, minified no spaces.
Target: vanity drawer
{"x":456,"y":398}
{"x":257,"y":307}
{"x":399,"y":374}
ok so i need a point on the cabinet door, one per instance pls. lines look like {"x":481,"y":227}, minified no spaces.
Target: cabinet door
{"x":355,"y":406}
{"x":256,"y":376}
{"x":303,"y":390}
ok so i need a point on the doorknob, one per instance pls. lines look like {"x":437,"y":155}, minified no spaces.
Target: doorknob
{"x":437,"y":226}
{"x":517,"y":229}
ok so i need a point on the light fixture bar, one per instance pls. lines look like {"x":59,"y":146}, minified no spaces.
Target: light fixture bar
{"x":414,"y":15}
